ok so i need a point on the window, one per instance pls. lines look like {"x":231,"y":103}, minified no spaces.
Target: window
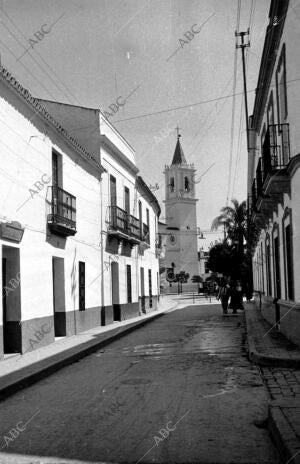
{"x":129,"y":290}
{"x":281,"y":90}
{"x":277,"y":283}
{"x":261,"y":264}
{"x":113,"y":191}
{"x":289,"y":262}
{"x":127,"y":200}
{"x":186,"y":184}
{"x":81,"y":286}
{"x":56,"y":169}
{"x":148,"y":224}
{"x":150,"y":287}
{"x":288,"y":254}
{"x":140,"y":216}
{"x":172,"y":184}
{"x":270,"y":113}
{"x":268,"y":267}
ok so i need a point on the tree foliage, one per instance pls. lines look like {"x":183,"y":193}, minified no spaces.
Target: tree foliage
{"x":232,"y":257}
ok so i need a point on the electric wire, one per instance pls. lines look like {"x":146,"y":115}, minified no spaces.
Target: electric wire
{"x":40,"y":56}
{"x":233,"y":103}
{"x":36,"y":61}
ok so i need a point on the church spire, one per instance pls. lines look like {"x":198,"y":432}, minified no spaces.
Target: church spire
{"x":178,"y":157}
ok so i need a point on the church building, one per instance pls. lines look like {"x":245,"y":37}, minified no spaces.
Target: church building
{"x":180,"y":205}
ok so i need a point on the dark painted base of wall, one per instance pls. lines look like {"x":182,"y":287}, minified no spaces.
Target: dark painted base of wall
{"x":289,"y":318}
{"x":1,"y":342}
{"x":12,"y":337}
{"x":129,"y":310}
{"x":107,"y":315}
{"x":35,"y":333}
{"x":146,"y":306}
{"x":79,"y":321}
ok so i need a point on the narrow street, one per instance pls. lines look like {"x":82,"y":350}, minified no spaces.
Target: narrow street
{"x":180,"y":389}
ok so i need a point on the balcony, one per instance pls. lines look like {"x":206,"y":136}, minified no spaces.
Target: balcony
{"x":135,"y":228}
{"x":276,"y":148}
{"x":123,"y":225}
{"x":62,"y":220}
{"x":146,"y":236}
{"x":272,"y":179}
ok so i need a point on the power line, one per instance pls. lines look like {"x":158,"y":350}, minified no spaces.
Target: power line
{"x":28,"y":70}
{"x":44,"y":61}
{"x":202,"y":102}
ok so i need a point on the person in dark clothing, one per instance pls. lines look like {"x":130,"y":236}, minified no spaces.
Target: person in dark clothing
{"x":236,"y":300}
{"x":224,"y":294}
{"x":248,"y":292}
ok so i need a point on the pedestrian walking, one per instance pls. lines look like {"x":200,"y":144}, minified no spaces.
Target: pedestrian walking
{"x":224,"y":294}
{"x":236,"y":297}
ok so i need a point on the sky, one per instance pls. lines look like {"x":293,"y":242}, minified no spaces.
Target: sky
{"x":143,"y":54}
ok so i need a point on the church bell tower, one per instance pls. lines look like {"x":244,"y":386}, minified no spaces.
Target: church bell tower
{"x":181,"y":220}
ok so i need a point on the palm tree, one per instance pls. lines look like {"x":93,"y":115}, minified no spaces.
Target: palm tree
{"x":234,"y":220}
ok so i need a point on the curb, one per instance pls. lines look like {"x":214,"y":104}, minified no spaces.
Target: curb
{"x":266,"y":359}
{"x":14,"y":382}
{"x":283,"y":435}
{"x":271,"y":361}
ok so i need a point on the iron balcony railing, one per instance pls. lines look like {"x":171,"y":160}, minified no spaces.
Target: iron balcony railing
{"x":276,"y":148}
{"x":63,"y":211}
{"x":127,"y":224}
{"x":119,"y":220}
{"x":135,"y":227}
{"x":146,"y":234}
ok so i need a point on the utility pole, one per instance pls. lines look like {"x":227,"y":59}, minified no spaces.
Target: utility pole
{"x":243,"y":45}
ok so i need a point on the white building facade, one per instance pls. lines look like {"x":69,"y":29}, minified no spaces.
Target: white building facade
{"x":274,"y":174}
{"x":71,"y":260}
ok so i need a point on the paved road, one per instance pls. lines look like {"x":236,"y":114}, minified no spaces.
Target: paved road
{"x":178,"y":390}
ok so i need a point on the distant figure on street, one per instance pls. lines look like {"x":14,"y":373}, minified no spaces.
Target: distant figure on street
{"x":236,"y":300}
{"x":248,"y":292}
{"x":224,"y":294}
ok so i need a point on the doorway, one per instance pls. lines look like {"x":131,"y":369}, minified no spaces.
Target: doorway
{"x":59,"y":306}
{"x":115,"y":291}
{"x":11,"y":300}
{"x":142,"y":275}
{"x":277,"y":267}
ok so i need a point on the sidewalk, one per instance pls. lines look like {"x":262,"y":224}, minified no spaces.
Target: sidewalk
{"x":18,"y":371}
{"x":268,"y":347}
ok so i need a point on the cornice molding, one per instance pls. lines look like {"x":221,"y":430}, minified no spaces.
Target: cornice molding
{"x":12,"y":83}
